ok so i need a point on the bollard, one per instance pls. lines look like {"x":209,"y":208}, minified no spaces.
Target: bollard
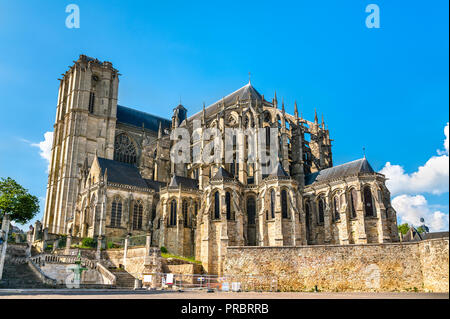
{"x":137,"y":284}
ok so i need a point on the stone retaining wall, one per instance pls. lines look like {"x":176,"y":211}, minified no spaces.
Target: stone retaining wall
{"x":421,"y":266}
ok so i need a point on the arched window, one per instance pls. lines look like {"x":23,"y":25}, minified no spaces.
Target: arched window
{"x":284,"y":207}
{"x":137,"y":215}
{"x":353,"y":202}
{"x":267,"y":136}
{"x":216,"y":205}
{"x":336,"y":215}
{"x":228,"y":204}
{"x":272,"y":203}
{"x":251,"y":210}
{"x":124,"y":150}
{"x":195,"y":208}
{"x":368,"y":205}
{"x":185,"y":207}
{"x":307,"y":221}
{"x":321,"y":211}
{"x":116,"y":212}
{"x":173,"y":213}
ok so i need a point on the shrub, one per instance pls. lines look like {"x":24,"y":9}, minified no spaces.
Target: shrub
{"x":88,"y":242}
{"x":62,"y":241}
{"x":163,"y":250}
{"x":110,"y":245}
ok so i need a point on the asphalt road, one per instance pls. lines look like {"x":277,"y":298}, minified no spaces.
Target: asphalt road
{"x":140,"y":294}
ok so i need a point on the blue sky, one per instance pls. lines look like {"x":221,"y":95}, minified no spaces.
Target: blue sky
{"x":383,"y":89}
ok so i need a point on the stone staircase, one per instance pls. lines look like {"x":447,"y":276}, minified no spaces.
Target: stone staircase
{"x":123,"y":279}
{"x":20,"y":276}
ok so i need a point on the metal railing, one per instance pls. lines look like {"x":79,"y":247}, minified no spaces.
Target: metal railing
{"x":210,"y":282}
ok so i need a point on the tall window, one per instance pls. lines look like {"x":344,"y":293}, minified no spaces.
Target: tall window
{"x":91,"y":102}
{"x":251,"y":210}
{"x":216,"y":205}
{"x":272,"y":203}
{"x":353,"y":202}
{"x":284,"y":207}
{"x":336,"y":215}
{"x":321,"y":211}
{"x":228,"y":204}
{"x":173,"y":213}
{"x":124,"y":150}
{"x":368,"y":205}
{"x":137,"y":215}
{"x":307,"y":222}
{"x":116,"y":212}
{"x":185,"y":208}
{"x":195,"y":208}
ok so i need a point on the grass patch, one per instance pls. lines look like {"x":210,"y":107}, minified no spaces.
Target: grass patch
{"x":191,"y":259}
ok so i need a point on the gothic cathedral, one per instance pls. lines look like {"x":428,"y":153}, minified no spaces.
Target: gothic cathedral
{"x":111,"y":174}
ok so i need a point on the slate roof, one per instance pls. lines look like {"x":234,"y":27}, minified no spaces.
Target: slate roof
{"x":122,"y":173}
{"x":135,"y":118}
{"x":155,"y":185}
{"x":440,"y":234}
{"x":340,"y":171}
{"x":244,"y":93}
{"x":186,"y":182}
{"x":222,"y":173}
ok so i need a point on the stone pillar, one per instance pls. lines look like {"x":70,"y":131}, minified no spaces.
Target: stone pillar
{"x":180,"y":227}
{"x":262,"y":221}
{"x":55,"y":244}
{"x":362,"y":237}
{"x":344,"y":214}
{"x":383,"y":232}
{"x":278,"y":220}
{"x":98,"y":253}
{"x":223,"y":236}
{"x":4,"y":235}
{"x":125,"y":249}
{"x":327,"y":220}
{"x":163,"y":224}
{"x":68,"y":243}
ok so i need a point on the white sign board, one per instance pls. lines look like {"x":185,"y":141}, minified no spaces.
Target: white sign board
{"x":169,"y":279}
{"x":225,"y":286}
{"x":148,"y":278}
{"x":236,"y":286}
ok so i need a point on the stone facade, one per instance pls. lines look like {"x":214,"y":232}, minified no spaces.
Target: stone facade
{"x":111,"y":175}
{"x":421,"y":266}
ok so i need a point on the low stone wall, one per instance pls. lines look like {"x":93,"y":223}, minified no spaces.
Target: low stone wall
{"x":416,"y":266}
{"x":134,"y":261}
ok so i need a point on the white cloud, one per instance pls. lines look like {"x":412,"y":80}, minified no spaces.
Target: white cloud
{"x":411,"y":208}
{"x":433,"y":177}
{"x":46,"y":147}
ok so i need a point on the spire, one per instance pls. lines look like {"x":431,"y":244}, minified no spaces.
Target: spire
{"x":249,"y":78}
{"x":316,"y":120}
{"x":275,"y":101}
{"x":295,"y":110}
{"x":160,"y":130}
{"x":204,"y":114}
{"x":282,"y":105}
{"x":323,"y":123}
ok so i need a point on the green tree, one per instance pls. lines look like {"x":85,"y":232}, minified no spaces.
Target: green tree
{"x":421,"y":229}
{"x":403,"y":228}
{"x":16,"y":202}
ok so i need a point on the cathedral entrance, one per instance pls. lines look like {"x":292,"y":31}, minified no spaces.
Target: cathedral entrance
{"x":251,"y":225}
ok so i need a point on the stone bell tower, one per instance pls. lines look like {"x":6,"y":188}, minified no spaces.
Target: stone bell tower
{"x":85,"y":125}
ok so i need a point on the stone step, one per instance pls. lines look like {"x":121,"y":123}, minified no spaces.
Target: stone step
{"x":20,"y":276}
